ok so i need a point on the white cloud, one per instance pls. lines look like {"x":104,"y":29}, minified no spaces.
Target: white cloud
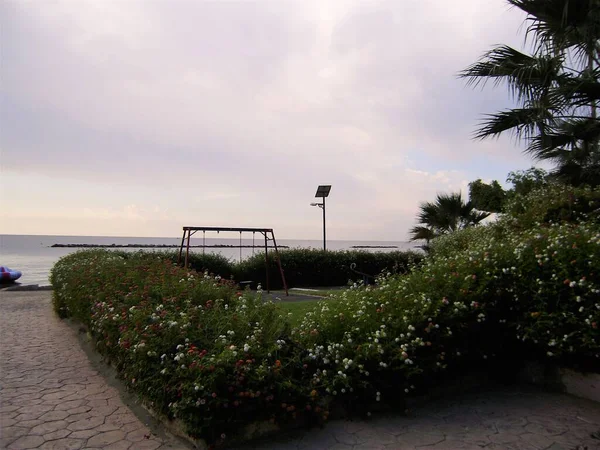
{"x":231,"y":113}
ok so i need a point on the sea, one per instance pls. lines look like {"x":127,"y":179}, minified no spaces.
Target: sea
{"x":34,"y":255}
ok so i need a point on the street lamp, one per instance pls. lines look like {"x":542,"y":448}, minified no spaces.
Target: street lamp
{"x":322,"y":192}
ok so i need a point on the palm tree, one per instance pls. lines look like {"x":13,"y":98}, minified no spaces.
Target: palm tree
{"x":557,"y":86}
{"x":448,"y":213}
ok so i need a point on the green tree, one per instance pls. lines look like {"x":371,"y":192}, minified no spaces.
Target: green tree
{"x":556,"y":86}
{"x":448,"y":213}
{"x":524,"y":181}
{"x":487,"y":197}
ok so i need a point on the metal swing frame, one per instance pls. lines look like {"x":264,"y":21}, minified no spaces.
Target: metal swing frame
{"x":188,"y":232}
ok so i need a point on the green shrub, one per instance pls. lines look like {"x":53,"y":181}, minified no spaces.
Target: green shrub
{"x":525,"y":295}
{"x":553,"y":203}
{"x":195,"y":348}
{"x":190,"y":345}
{"x":214,"y":263}
{"x":311,"y":267}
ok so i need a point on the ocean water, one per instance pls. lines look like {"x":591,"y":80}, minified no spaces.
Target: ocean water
{"x":34,"y":255}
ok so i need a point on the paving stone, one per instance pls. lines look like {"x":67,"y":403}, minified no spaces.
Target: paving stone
{"x":108,"y":427}
{"x":372,"y":436}
{"x":86,"y":424}
{"x":4,"y":423}
{"x":503,"y":438}
{"x":8,"y":408}
{"x":10,"y":434}
{"x":29,"y":416}
{"x":58,"y":434}
{"x":37,"y":410}
{"x":63,"y":444}
{"x":419,"y":439}
{"x":84,"y":434}
{"x":147,"y":445}
{"x":119,"y":445}
{"x":78,"y":417}
{"x":79,"y":410}
{"x":26,"y":442}
{"x":132,"y":426}
{"x":70,"y":405}
{"x":537,"y":440}
{"x":48,"y":427}
{"x":8,"y":415}
{"x":29,"y":423}
{"x":106,"y":438}
{"x":138,"y":435}
{"x":54,"y":415}
{"x":57,"y":400}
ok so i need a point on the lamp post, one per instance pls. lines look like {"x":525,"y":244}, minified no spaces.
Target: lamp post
{"x":322,"y":192}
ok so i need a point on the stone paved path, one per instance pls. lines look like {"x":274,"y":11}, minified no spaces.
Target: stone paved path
{"x":51,"y":397}
{"x":506,"y":419}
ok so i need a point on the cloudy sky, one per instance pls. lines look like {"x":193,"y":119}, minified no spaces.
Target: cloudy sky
{"x":134,"y":118}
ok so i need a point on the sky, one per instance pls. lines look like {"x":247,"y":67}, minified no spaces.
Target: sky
{"x":135,"y":118}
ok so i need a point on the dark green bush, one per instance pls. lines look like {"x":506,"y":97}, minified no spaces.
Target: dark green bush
{"x":310,"y":267}
{"x":522,"y":296}
{"x":553,"y":203}
{"x":191,"y":345}
{"x":213,"y":263}
{"x":196,"y":349}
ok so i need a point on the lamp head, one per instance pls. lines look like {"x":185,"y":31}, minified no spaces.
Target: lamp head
{"x":314,"y":204}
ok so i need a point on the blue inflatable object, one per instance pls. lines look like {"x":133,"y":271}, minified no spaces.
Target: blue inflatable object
{"x":8,"y":275}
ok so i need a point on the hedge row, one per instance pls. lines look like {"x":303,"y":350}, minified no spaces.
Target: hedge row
{"x":194,"y":348}
{"x":189,"y":344}
{"x":306,"y":267}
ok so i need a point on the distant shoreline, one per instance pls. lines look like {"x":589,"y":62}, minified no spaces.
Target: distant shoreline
{"x":157,"y":246}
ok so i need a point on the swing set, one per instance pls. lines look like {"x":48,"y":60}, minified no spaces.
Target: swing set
{"x":267,"y":233}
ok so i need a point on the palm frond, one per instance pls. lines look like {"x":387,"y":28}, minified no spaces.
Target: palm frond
{"x":577,"y":91}
{"x":526,"y":75}
{"x":558,"y":25}
{"x":567,"y":136}
{"x":420,"y":233}
{"x":524,"y":122}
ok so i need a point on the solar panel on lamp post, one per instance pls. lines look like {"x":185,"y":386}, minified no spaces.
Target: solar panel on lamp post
{"x":322,"y":192}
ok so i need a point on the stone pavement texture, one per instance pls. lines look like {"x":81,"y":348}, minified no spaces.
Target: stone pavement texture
{"x":503,"y":419}
{"x":52,"y":397}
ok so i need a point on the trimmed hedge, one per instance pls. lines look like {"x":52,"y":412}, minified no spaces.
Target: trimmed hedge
{"x":502,"y":301}
{"x":303,"y":267}
{"x":196,"y":349}
{"x":310,"y":267}
{"x":192,"y":346}
{"x":213,"y":263}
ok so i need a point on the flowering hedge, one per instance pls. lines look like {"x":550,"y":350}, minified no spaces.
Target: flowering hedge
{"x":509,"y":297}
{"x":189,"y":344}
{"x":195,"y":348}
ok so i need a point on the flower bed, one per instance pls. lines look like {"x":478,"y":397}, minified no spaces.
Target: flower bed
{"x":190,"y":345}
{"x":196,"y":349}
{"x":510,"y":297}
